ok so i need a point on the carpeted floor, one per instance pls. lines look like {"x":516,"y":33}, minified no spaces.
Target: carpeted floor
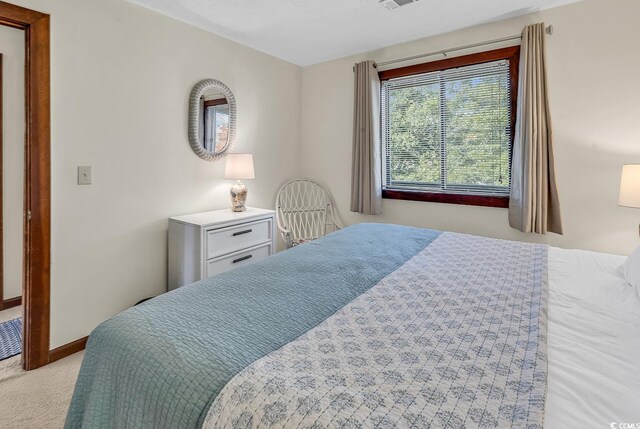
{"x":36,"y":399}
{"x":12,"y":313}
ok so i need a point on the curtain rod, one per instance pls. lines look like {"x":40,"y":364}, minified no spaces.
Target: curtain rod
{"x":548,"y":30}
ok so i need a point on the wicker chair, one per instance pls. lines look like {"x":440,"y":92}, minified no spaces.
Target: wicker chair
{"x":304,"y":212}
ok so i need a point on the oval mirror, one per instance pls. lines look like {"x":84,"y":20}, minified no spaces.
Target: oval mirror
{"x":212,"y":119}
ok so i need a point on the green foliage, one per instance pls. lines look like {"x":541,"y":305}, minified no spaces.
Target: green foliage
{"x":472,"y":114}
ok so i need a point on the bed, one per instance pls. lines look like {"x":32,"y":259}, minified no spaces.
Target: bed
{"x":376,"y":326}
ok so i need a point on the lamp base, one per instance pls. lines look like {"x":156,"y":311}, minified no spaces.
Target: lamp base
{"x":238,"y":197}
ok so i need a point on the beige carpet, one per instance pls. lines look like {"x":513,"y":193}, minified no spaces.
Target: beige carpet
{"x":39,"y":398}
{"x":10,"y":314}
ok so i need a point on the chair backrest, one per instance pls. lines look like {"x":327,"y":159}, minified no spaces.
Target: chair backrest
{"x":304,"y":211}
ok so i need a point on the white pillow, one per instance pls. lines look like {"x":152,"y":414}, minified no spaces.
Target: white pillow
{"x":632,"y":270}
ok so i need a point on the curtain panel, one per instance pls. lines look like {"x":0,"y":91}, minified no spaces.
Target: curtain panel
{"x":534,"y":205}
{"x":366,"y":174}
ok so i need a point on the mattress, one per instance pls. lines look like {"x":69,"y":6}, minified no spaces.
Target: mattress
{"x":593,"y":342}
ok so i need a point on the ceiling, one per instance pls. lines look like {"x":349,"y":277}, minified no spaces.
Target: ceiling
{"x":306,"y":32}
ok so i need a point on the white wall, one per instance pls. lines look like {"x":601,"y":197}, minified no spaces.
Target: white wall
{"x":121,"y":77}
{"x":593,"y":77}
{"x":12,"y":50}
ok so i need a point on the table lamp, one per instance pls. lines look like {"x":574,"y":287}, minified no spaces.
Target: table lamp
{"x":630,"y":187}
{"x":239,"y":166}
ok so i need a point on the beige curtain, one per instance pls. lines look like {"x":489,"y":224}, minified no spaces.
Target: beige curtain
{"x":534,"y":205}
{"x":366,"y":180}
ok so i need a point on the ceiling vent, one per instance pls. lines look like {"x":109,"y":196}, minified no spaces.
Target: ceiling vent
{"x":395,"y":4}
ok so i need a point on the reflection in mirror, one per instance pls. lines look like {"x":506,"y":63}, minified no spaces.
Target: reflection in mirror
{"x":215,"y":121}
{"x":212,"y":119}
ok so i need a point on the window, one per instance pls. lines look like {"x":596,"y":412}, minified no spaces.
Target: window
{"x":447,"y":129}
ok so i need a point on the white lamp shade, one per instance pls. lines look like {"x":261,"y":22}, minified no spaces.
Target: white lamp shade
{"x":239,"y":166}
{"x":630,"y":186}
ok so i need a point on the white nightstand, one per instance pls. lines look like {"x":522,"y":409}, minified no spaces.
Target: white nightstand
{"x":202,"y":245}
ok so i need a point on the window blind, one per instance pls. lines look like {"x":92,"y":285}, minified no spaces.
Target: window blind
{"x":449,"y":130}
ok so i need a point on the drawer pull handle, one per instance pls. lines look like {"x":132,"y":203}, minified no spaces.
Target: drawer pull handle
{"x":246,"y":231}
{"x":244,"y":258}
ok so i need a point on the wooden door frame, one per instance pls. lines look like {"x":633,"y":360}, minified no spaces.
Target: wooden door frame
{"x":37,"y":189}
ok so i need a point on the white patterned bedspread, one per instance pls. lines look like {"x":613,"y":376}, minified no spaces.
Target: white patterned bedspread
{"x":456,"y":337}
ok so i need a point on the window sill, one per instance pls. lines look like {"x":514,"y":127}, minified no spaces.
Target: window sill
{"x":437,"y":197}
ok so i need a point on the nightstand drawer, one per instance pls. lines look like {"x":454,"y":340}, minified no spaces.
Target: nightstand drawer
{"x":204,"y":244}
{"x":227,"y":240}
{"x":225,"y":263}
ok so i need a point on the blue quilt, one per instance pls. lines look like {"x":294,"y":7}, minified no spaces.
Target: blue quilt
{"x":161,"y":364}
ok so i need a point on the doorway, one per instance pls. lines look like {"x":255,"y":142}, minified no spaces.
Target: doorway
{"x":37,"y":182}
{"x":12,"y":141}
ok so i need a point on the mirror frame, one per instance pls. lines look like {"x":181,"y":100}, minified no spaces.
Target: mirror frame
{"x":195,"y":113}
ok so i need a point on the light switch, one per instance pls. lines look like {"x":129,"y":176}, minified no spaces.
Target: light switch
{"x":84,"y":175}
